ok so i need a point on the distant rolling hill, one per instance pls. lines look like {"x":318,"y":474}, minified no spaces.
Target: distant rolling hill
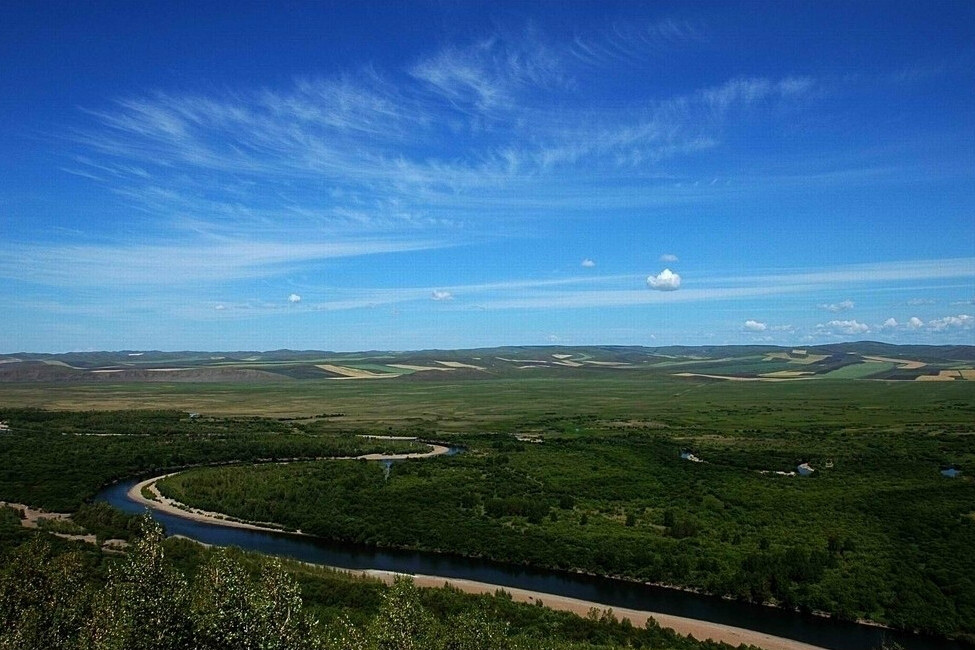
{"x":861,"y":360}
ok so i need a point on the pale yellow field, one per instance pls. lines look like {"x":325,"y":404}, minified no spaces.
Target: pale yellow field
{"x":458,"y":364}
{"x":787,"y":373}
{"x":731,"y":378}
{"x":801,"y":360}
{"x":944,"y":375}
{"x":903,"y":364}
{"x":354,"y":373}
{"x":406,"y":366}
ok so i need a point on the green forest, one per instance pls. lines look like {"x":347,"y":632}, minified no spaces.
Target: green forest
{"x":173,"y":594}
{"x":57,"y":460}
{"x":594,"y":476}
{"x":876,"y":532}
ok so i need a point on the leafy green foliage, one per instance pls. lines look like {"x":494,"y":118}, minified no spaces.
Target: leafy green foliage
{"x":145,"y":604}
{"x":54,"y":600}
{"x":57,"y":460}
{"x":43,"y":599}
{"x":233,"y":612}
{"x":868,"y":537}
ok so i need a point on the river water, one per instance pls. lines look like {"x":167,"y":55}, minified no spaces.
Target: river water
{"x":827,"y":633}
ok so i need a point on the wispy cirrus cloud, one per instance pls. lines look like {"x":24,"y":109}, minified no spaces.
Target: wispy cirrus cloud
{"x":164,"y":265}
{"x":380,"y":150}
{"x":631,"y":44}
{"x":920,"y":270}
{"x":489,"y":74}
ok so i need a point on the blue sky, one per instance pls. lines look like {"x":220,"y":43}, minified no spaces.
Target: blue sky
{"x":354,"y":176}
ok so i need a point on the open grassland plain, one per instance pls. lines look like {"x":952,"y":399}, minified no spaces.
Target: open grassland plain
{"x":518,"y":402}
{"x":585,"y":469}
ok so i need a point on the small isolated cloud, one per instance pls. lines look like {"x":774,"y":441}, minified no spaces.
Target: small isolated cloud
{"x":755,"y":326}
{"x":836,"y":307}
{"x":294,"y":298}
{"x":850,"y":327}
{"x":915,"y":323}
{"x":666,"y":280}
{"x":588,"y":263}
{"x":668,"y":258}
{"x":440,"y":295}
{"x":889,"y":324}
{"x":961,"y":321}
{"x":783,"y":328}
{"x":220,"y":307}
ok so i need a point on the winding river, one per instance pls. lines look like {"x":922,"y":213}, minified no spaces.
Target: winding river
{"x":741,"y":622}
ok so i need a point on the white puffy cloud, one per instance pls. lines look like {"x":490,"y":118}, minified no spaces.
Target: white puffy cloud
{"x":889,"y":324}
{"x":961,"y":321}
{"x":846,"y":327}
{"x":915,"y":323}
{"x":219,"y":307}
{"x":588,"y":263}
{"x":293,"y":298}
{"x":668,"y":258}
{"x":666,"y":280}
{"x":441,"y":295}
{"x":755,"y":326}
{"x":838,"y":306}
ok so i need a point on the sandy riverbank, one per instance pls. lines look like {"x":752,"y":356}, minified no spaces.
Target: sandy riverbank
{"x":173,"y":507}
{"x":697,"y":628}
{"x":687,"y":626}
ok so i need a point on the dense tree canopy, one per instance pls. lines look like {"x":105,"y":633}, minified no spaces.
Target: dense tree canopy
{"x":53,"y":599}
